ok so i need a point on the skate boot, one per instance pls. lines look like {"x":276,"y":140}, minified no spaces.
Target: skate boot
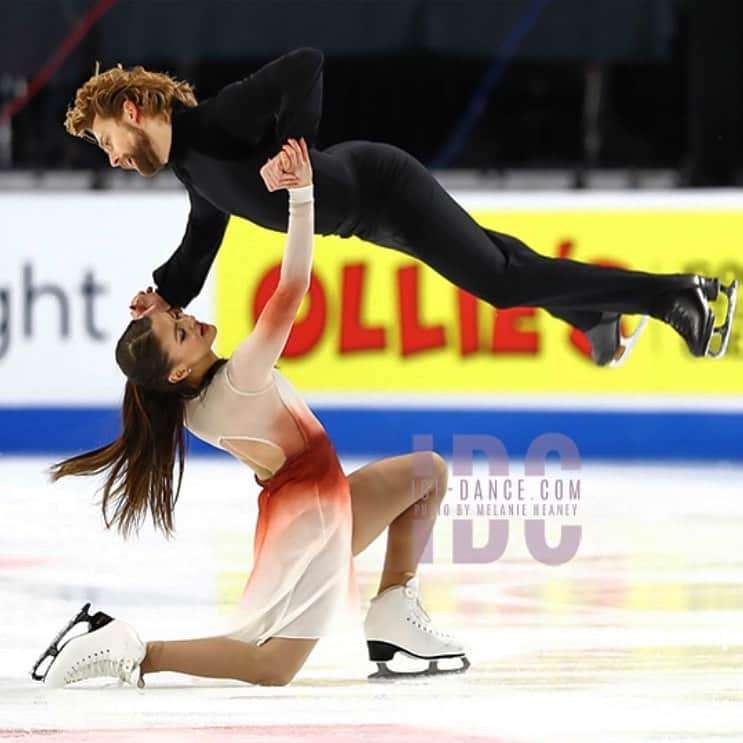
{"x":397,"y":622}
{"x":608,"y":346}
{"x":690,"y":315}
{"x":110,"y":648}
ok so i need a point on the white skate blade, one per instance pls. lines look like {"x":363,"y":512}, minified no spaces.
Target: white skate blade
{"x":626,"y":344}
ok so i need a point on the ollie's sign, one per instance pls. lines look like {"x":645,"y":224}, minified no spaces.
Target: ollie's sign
{"x":377,"y":320}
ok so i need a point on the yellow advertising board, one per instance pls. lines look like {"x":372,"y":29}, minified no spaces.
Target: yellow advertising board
{"x":377,"y":320}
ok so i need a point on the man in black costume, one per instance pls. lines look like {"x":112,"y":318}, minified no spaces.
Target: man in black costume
{"x":223,"y":148}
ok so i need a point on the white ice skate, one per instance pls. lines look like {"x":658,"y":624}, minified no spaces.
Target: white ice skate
{"x":110,"y":648}
{"x":397,"y":622}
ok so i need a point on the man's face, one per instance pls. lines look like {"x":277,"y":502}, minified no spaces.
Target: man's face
{"x":127,"y":146}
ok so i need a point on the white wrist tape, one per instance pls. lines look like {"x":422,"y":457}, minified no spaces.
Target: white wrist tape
{"x":302,"y":195}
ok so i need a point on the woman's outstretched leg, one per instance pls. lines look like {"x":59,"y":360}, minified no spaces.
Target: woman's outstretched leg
{"x":274,"y":663}
{"x":112,"y":648}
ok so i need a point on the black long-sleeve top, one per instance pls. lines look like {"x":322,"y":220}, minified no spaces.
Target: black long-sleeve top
{"x":217,"y":151}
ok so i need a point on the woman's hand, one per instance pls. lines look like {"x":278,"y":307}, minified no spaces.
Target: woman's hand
{"x":291,"y":168}
{"x":145,"y":303}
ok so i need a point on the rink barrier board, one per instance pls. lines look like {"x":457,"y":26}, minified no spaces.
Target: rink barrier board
{"x":383,"y":431}
{"x":389,"y":326}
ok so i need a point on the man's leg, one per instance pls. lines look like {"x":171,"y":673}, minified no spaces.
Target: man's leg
{"x":416,"y":215}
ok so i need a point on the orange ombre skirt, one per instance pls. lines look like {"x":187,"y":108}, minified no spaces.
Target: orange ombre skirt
{"x":302,"y":584}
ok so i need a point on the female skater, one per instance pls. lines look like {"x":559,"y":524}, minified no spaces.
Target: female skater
{"x":145,"y":120}
{"x":311,"y":518}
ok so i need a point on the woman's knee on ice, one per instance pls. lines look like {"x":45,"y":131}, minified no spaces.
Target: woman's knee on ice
{"x":277,"y":675}
{"x":275,"y":679}
{"x":280,"y":660}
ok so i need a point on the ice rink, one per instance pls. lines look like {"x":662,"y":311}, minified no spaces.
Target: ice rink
{"x":637,"y":638}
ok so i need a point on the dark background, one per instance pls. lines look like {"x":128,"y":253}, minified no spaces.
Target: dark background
{"x":473,"y":84}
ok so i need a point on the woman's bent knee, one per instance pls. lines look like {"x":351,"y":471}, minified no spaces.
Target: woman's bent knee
{"x":440,"y":473}
{"x":440,"y":466}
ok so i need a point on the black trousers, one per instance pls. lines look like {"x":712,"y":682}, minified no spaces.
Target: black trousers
{"x":403,"y":207}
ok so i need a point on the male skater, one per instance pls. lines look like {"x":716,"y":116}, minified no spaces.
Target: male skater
{"x":219,"y":148}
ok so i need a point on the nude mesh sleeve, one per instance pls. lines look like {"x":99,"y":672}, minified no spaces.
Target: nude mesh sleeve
{"x":253,"y":360}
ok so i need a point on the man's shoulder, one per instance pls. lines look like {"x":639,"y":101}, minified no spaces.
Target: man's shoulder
{"x":196,"y":130}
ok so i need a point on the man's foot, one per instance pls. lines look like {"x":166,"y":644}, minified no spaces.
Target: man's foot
{"x":608,"y":346}
{"x":689,"y":314}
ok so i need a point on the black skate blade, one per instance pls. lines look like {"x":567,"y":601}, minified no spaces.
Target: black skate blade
{"x":98,"y":620}
{"x":53,"y":649}
{"x":723,"y":331}
{"x":385,"y":673}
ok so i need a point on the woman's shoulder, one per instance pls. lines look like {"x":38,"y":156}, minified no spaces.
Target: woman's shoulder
{"x":230,"y":381}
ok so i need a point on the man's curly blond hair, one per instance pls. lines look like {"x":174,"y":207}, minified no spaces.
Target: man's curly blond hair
{"x":105,"y":92}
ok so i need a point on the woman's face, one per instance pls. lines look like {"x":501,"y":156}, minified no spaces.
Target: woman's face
{"x":184,"y":339}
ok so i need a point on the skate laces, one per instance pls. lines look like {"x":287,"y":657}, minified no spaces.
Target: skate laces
{"x":421,"y":612}
{"x":422,"y":615}
{"x":678,"y":318}
{"x":96,"y":667}
{"x":411,"y":591}
{"x":680,"y":314}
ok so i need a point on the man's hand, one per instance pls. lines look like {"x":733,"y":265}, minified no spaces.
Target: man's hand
{"x":291,"y":168}
{"x":147,"y":302}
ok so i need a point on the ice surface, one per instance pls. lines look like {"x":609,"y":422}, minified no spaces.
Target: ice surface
{"x":637,"y":638}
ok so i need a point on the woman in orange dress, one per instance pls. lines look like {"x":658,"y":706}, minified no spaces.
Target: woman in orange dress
{"x":312,"y":519}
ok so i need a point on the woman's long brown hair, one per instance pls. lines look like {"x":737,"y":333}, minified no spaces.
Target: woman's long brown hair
{"x":140,"y":464}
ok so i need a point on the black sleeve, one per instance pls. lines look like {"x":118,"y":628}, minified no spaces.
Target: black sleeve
{"x":284,"y":98}
{"x":181,"y":278}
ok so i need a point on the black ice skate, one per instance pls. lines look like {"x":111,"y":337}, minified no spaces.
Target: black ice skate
{"x":109,"y":648}
{"x":398,"y":623}
{"x":608,"y":346}
{"x":690,"y":315}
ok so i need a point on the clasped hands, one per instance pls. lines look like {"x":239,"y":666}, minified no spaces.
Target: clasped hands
{"x":290,"y":168}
